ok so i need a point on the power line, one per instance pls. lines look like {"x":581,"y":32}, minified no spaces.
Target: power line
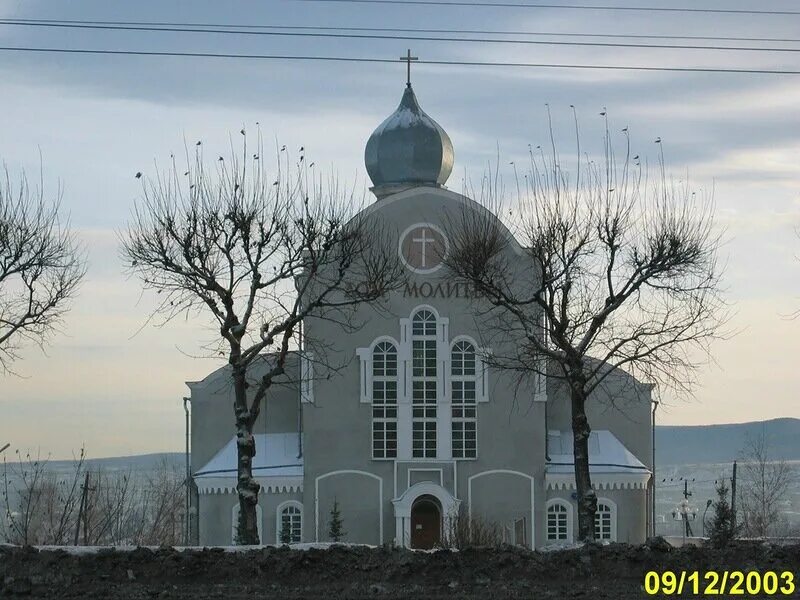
{"x":394,"y":61}
{"x":408,"y":30}
{"x":731,"y":11}
{"x":395,"y":37}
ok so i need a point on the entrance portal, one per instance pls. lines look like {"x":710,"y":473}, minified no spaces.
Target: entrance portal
{"x":426,"y":523}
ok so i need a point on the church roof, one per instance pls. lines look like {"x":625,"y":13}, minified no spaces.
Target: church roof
{"x":606,"y":454}
{"x":276,"y":465}
{"x":611,"y":464}
{"x":408,"y":148}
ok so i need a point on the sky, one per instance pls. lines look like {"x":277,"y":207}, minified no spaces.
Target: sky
{"x":113,"y":384}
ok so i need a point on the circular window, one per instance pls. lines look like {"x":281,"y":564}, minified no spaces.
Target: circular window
{"x":423,"y":248}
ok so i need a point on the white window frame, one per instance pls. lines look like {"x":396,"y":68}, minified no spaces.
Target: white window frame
{"x":612,"y":506}
{"x":365,"y":372}
{"x":235,"y":522}
{"x":464,"y":378}
{"x":279,"y":519}
{"x":429,"y":407}
{"x":384,"y":405}
{"x":568,"y":512}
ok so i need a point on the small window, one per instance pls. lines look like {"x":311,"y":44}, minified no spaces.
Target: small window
{"x":290,"y":524}
{"x":463,"y":359}
{"x":423,"y":324}
{"x":557,"y":522}
{"x":604,"y":522}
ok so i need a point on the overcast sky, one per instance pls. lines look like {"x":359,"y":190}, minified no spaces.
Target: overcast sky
{"x":115,"y":387}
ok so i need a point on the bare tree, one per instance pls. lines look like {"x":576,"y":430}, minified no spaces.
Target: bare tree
{"x":610,"y":271}
{"x":39,"y":506}
{"x":41,"y":267}
{"x":463,"y":530}
{"x":257,"y":254}
{"x":765,"y":484}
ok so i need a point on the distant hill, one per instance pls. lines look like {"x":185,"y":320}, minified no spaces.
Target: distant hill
{"x":138,"y":463}
{"x":697,"y":444}
{"x":675,"y":445}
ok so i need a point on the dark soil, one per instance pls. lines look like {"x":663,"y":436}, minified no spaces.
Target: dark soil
{"x":616,"y":571}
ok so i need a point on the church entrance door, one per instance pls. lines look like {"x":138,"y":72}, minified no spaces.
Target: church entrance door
{"x":426,"y":523}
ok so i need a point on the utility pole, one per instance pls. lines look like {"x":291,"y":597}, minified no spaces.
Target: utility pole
{"x":684,"y":512}
{"x":733,"y":495}
{"x":686,"y":494}
{"x":84,"y":491}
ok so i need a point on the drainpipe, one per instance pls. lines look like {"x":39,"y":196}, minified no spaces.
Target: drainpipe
{"x":653,"y":494}
{"x":187,"y":517}
{"x":302,"y":369}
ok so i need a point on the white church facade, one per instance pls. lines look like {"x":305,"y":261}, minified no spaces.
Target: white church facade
{"x":415,"y":428}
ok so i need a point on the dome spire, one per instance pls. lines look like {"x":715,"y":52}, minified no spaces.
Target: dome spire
{"x":408,"y":58}
{"x":409,"y":149}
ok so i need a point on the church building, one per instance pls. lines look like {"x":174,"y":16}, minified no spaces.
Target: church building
{"x":416,"y":435}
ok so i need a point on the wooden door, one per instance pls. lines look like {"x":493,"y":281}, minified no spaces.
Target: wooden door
{"x":426,"y":524}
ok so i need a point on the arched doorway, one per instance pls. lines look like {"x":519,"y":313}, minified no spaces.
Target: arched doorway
{"x":426,"y":523}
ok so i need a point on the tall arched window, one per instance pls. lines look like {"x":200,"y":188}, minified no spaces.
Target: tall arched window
{"x":604,"y":521}
{"x":384,"y":401}
{"x":463,"y":400}
{"x":290,"y":523}
{"x":558,"y":521}
{"x":423,"y":382}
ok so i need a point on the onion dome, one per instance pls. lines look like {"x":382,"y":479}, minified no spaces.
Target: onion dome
{"x":408,"y":149}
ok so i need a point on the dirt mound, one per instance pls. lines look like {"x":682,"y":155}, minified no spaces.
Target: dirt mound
{"x":613,"y":571}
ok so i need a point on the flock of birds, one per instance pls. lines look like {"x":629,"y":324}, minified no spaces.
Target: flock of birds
{"x":255,"y":157}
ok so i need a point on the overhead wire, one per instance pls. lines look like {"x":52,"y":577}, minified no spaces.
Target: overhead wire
{"x":290,"y":57}
{"x":599,"y":7}
{"x":405,"y":30}
{"x":397,"y":37}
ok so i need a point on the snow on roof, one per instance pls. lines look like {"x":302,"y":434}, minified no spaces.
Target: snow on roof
{"x":606,"y":454}
{"x":276,"y":465}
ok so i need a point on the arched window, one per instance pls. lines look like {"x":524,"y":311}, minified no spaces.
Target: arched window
{"x":235,"y":524}
{"x":558,"y":521}
{"x":605,"y":521}
{"x":290,"y":523}
{"x":423,"y":382}
{"x":384,"y":401}
{"x":463,"y":400}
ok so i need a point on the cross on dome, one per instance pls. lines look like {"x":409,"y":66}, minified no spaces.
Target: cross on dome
{"x":409,"y":149}
{"x":408,"y":58}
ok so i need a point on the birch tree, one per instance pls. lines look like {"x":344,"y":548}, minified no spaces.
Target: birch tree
{"x":255,"y":253}
{"x":624,"y":275}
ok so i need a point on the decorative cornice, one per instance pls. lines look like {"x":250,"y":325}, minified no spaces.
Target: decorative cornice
{"x":271,"y":485}
{"x":600,"y":481}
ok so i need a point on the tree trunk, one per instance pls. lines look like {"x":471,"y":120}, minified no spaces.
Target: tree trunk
{"x":247,"y":487}
{"x":587,"y":499}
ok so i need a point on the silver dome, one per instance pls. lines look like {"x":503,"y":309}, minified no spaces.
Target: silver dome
{"x":408,"y":149}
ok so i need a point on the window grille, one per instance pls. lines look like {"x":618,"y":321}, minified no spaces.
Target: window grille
{"x":557,"y":522}
{"x":603,"y":522}
{"x":290,"y":527}
{"x":463,"y":401}
{"x":424,"y":393}
{"x":384,"y":401}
